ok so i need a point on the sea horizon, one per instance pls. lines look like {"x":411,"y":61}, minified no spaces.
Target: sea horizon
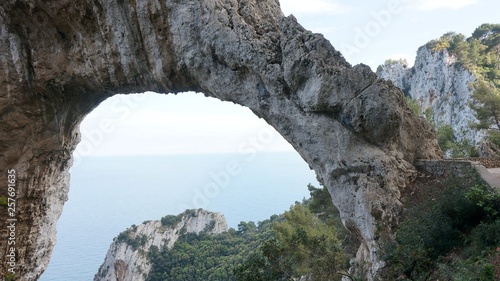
{"x":110,"y":193}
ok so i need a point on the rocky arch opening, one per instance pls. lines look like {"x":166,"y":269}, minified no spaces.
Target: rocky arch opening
{"x":62,"y":60}
{"x":102,"y":204}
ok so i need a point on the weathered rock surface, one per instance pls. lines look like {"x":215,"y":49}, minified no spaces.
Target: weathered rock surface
{"x":488,"y":149}
{"x":60,"y":59}
{"x":439,"y":82}
{"x":127,"y":262}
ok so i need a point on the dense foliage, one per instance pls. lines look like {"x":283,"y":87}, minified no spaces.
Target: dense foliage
{"x":303,"y":241}
{"x":454,"y":237}
{"x":130,"y":239}
{"x":310,"y":241}
{"x":304,"y":245}
{"x":209,"y":257}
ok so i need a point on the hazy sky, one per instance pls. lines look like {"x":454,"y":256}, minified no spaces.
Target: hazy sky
{"x":364,"y":31}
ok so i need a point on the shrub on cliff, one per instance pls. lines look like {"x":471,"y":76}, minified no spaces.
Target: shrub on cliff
{"x":128,"y":237}
{"x":457,"y":232}
{"x":486,"y":106}
{"x":170,"y":220}
{"x":311,"y":241}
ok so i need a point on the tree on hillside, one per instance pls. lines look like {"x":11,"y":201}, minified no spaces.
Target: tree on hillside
{"x":472,"y":56}
{"x":310,"y":242}
{"x":483,"y":58}
{"x":321,"y":204}
{"x":486,"y":106}
{"x":487,"y":109}
{"x":453,"y":147}
{"x":484,"y":29}
{"x":312,"y":245}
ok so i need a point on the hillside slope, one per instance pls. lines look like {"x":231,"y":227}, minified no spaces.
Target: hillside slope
{"x":127,"y":258}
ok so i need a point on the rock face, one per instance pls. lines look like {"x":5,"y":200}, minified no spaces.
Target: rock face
{"x":437,"y":81}
{"x":60,"y":59}
{"x":128,"y":262}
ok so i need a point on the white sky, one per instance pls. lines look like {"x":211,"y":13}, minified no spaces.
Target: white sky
{"x":365,"y":31}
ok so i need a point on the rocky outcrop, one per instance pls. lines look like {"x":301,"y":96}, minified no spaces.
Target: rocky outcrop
{"x":439,"y":82}
{"x":127,"y":259}
{"x":488,"y":150}
{"x":60,"y":59}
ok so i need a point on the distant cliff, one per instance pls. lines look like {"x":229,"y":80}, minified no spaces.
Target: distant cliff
{"x":438,"y":81}
{"x":127,"y":258}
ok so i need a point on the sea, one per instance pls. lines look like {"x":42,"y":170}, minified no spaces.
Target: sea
{"x":110,"y":193}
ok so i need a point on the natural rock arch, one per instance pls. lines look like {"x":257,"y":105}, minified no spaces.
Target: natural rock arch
{"x":60,"y":59}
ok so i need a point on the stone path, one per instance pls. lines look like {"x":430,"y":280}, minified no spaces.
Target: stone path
{"x":495,"y":176}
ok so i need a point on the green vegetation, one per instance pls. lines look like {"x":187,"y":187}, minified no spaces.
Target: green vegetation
{"x":391,"y":62}
{"x":208,"y":257}
{"x":413,"y":105}
{"x":401,"y":61}
{"x":309,"y":239}
{"x":479,"y":53}
{"x":3,"y":201}
{"x":429,"y":115}
{"x":487,"y":108}
{"x":306,"y":242}
{"x":304,"y":245}
{"x":170,"y":220}
{"x":128,"y":236}
{"x":311,"y":245}
{"x":449,"y":144}
{"x":10,"y":277}
{"x":454,"y":237}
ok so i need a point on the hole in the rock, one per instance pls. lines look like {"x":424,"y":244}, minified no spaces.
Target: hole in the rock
{"x":144,"y":156}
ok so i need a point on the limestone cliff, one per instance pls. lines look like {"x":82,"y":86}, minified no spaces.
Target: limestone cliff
{"x":127,"y":259}
{"x":439,"y":82}
{"x":59,"y":59}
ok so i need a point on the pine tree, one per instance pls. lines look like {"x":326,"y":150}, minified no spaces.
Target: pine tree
{"x":487,"y":105}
